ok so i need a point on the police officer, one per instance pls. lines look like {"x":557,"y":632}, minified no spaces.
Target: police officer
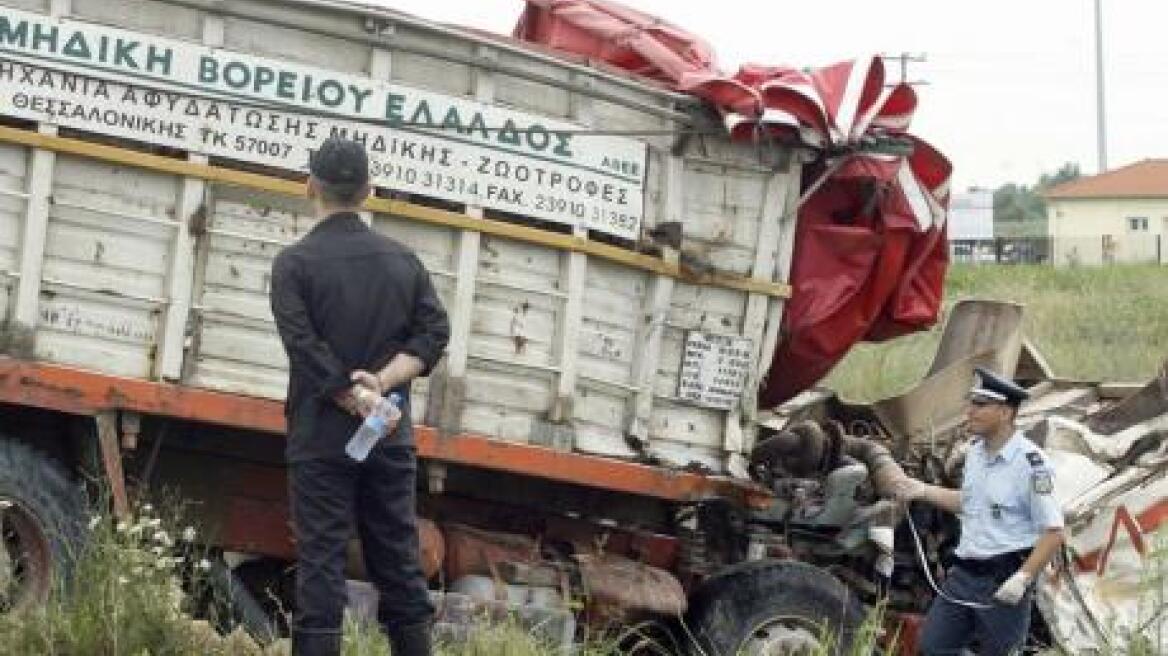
{"x":358,"y":318}
{"x":1011,"y":526}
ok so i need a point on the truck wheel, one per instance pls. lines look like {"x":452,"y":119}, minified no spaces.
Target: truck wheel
{"x":40,"y":525}
{"x":228,"y":603}
{"x":769,"y":608}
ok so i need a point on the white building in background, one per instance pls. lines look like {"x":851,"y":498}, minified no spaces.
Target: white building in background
{"x":1120,"y":216}
{"x":971,"y":225}
{"x":971,"y":215}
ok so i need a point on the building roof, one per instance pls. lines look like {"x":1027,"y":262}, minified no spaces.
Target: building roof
{"x":1144,"y":179}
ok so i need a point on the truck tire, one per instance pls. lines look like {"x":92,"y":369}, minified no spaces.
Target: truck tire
{"x":768,"y":608}
{"x":40,"y":523}
{"x":237,"y":606}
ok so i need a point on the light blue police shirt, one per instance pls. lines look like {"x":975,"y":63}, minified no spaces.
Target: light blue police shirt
{"x":1007,"y":502}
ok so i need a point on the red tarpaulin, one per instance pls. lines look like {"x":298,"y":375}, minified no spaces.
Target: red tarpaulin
{"x":870,"y":247}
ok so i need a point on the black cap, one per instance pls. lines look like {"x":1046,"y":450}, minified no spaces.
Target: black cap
{"x":991,"y":387}
{"x":341,"y":162}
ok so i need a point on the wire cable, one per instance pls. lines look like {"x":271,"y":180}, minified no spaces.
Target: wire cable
{"x":929,"y":574}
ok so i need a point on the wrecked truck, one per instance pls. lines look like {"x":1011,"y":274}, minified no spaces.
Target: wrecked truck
{"x":1107,"y":591}
{"x":617,"y":260}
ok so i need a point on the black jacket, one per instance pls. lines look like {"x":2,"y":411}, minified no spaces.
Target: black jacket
{"x":345,"y":298}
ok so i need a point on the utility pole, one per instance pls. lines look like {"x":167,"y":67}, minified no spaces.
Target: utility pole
{"x":1101,"y":127}
{"x":905,"y":59}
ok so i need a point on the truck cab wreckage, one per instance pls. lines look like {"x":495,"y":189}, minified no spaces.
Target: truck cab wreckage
{"x":633,"y":265}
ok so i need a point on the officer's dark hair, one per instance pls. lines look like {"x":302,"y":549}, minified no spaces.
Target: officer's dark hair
{"x":341,"y":195}
{"x":341,"y":170}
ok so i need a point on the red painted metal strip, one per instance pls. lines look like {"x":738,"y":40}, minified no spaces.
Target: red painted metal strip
{"x":580,"y":469}
{"x":1145,"y":523}
{"x":80,"y":391}
{"x":1133,"y":532}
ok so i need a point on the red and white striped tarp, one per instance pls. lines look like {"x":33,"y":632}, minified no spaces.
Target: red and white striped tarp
{"x":870,"y":248}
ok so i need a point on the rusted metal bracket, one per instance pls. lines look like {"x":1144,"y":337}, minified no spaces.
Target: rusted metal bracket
{"x":111,"y":460}
{"x":131,"y":427}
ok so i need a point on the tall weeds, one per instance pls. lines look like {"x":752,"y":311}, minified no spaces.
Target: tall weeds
{"x":1092,"y":323}
{"x":124,"y":597}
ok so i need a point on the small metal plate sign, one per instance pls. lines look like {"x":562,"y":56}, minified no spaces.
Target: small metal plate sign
{"x":714,"y":369}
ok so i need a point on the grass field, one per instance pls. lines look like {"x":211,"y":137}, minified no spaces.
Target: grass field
{"x":1092,"y":323}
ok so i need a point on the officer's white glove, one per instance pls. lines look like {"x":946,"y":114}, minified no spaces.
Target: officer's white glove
{"x":1013,"y":589}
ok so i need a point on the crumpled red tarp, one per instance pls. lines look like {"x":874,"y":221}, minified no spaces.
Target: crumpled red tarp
{"x":870,"y":246}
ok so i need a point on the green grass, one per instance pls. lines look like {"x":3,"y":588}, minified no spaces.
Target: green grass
{"x":496,"y":640}
{"x":124,"y":596}
{"x":1151,"y":635}
{"x":134,"y":591}
{"x":1091,"y":323}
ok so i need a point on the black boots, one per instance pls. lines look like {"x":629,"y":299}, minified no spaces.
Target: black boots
{"x":412,"y":640}
{"x":321,"y":642}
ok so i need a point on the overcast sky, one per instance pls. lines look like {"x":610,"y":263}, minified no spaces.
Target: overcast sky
{"x":1011,"y":83}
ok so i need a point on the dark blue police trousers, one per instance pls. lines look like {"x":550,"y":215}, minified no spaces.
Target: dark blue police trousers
{"x":999,"y":630}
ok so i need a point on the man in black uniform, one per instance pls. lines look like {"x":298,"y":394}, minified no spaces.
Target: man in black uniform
{"x":358,"y":318}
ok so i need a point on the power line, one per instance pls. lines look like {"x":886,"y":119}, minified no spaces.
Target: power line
{"x":906,"y":58}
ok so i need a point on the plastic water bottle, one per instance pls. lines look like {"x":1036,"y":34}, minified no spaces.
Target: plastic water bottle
{"x":374,"y":428}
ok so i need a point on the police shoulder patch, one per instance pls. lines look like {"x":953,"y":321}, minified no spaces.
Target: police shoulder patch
{"x":1042,"y":482}
{"x":1034,"y":458}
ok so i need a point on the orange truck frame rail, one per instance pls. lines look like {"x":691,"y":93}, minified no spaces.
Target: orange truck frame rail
{"x":83,"y":392}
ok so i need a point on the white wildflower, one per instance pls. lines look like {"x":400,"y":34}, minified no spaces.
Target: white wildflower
{"x":161,"y":537}
{"x":5,"y":504}
{"x":147,"y":508}
{"x":123,"y":580}
{"x":204,"y":565}
{"x":94,"y":521}
{"x":152,"y":522}
{"x":176,"y":596}
{"x":188,"y":534}
{"x":123,"y":526}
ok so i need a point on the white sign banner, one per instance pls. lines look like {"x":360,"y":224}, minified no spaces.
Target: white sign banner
{"x":714,"y":369}
{"x":227,"y":104}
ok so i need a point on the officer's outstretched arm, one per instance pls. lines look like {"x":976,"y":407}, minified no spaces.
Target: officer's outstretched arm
{"x":943,"y":498}
{"x":911,"y":489}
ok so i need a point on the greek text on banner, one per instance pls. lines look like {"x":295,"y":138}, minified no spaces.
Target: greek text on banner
{"x":262,"y":110}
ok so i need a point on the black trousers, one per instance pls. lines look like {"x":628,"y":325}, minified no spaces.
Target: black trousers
{"x":379,"y":495}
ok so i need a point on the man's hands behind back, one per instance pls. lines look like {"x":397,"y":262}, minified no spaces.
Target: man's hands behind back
{"x":362,"y":397}
{"x":366,"y":391}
